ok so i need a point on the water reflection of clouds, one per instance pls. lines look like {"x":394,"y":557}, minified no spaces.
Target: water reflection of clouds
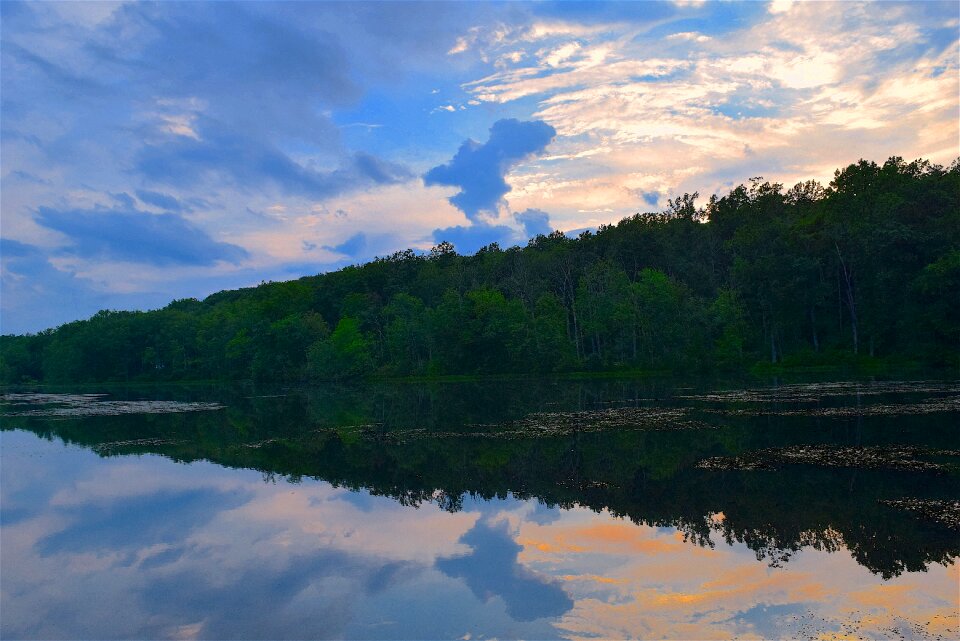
{"x":147,"y":548}
{"x":232,"y":557}
{"x":137,"y":522}
{"x":491,"y":569}
{"x":633,"y":581}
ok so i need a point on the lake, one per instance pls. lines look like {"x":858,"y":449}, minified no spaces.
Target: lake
{"x":504,"y":509}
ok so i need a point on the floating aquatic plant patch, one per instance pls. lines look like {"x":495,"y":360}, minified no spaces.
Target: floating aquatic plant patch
{"x":889,"y":457}
{"x":115,"y":447}
{"x":929,"y":406}
{"x":540,"y":425}
{"x":813,"y":392}
{"x":622,"y":418}
{"x":943,"y":512}
{"x":85,"y":405}
{"x":872,"y":624}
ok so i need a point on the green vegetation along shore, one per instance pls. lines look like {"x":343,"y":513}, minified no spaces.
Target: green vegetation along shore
{"x":864,"y":270}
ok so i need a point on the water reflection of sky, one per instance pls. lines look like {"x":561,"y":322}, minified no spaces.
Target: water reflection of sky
{"x":147,"y":548}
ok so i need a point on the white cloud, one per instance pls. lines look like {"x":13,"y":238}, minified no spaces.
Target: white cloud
{"x":689,"y":35}
{"x":459,"y":47}
{"x":791,"y":97}
{"x":556,"y":56}
{"x":780,"y":6}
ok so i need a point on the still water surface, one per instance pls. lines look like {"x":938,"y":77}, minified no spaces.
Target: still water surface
{"x":614,"y":509}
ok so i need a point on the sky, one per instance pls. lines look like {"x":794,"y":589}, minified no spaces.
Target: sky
{"x":151,"y":152}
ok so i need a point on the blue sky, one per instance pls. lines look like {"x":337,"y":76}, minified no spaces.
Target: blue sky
{"x":161,"y":151}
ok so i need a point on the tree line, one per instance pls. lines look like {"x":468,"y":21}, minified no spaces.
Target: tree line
{"x":867,"y":267}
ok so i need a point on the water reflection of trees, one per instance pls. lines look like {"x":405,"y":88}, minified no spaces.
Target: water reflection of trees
{"x":645,"y":476}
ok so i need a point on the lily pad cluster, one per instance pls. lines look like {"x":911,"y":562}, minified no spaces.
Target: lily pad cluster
{"x":943,"y":512}
{"x":813,"y":392}
{"x":86,"y":405}
{"x":889,"y":457}
{"x":929,"y":406}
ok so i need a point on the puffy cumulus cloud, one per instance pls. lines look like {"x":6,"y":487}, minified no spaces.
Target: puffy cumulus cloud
{"x":479,"y":169}
{"x":137,"y":236}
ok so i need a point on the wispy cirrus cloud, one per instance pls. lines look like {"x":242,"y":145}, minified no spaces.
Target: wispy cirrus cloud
{"x":791,"y":93}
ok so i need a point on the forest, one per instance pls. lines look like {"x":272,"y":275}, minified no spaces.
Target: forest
{"x":863,"y":270}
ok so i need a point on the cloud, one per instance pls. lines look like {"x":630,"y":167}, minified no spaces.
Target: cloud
{"x":534,"y":222}
{"x":37,"y":295}
{"x":479,"y":169}
{"x":216,"y":108}
{"x":15,"y":249}
{"x":699,"y":103}
{"x":130,"y":235}
{"x":650,"y":197}
{"x":157,"y":199}
{"x":467,"y":239}
{"x":236,"y":58}
{"x":249,"y":163}
{"x":136,"y":522}
{"x":189,"y":96}
{"x":492,"y":569}
{"x":351,"y":246}
{"x":27,"y":177}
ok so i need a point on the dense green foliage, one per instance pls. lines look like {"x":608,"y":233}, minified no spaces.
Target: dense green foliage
{"x":868,"y":266}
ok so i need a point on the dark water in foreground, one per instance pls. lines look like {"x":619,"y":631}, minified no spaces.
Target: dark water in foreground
{"x":613,"y":509}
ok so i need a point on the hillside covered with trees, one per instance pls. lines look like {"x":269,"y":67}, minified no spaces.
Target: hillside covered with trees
{"x":866,"y":267}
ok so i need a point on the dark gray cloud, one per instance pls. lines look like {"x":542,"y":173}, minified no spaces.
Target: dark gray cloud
{"x":137,"y":236}
{"x":479,"y":169}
